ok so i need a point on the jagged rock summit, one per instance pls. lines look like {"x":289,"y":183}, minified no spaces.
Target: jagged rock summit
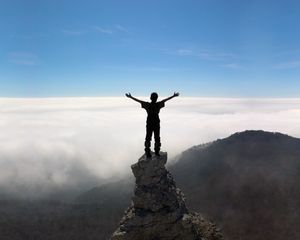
{"x":158,"y":210}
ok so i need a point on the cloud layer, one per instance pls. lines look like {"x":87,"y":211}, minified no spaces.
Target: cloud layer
{"x":54,"y":143}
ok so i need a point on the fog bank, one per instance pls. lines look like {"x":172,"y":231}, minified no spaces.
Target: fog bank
{"x":55,"y":143}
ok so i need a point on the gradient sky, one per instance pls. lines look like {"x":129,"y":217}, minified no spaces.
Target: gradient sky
{"x":232,"y":48}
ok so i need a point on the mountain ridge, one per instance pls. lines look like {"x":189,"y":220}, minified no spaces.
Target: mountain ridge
{"x":252,"y":176}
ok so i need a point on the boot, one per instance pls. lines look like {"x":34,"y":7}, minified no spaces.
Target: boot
{"x":157,"y":148}
{"x":147,"y":148}
{"x":148,"y":152}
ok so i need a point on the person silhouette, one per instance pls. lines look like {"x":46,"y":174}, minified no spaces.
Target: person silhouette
{"x":153,"y":121}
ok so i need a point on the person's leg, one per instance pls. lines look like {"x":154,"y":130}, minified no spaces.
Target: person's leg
{"x":149,"y":131}
{"x":157,"y":139}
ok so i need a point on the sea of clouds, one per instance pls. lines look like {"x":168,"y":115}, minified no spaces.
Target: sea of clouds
{"x":55,"y":143}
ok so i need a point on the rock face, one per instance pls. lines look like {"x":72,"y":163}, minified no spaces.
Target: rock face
{"x":158,"y":210}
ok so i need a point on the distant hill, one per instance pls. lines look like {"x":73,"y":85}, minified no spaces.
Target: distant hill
{"x":249,"y":183}
{"x":51,"y":220}
{"x":119,"y":193}
{"x":94,"y":215}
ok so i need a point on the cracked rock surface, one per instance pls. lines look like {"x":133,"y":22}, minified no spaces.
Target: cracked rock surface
{"x":158,"y":210}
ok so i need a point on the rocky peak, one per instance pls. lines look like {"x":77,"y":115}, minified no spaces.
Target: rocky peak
{"x":158,"y":209}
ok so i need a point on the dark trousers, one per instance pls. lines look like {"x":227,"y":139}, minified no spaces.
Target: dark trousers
{"x":152,"y":128}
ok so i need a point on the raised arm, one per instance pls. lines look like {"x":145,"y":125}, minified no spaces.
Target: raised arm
{"x":133,"y":98}
{"x":176,"y":94}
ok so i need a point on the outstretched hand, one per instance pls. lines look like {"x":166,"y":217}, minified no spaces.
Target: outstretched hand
{"x":176,"y":94}
{"x":128,"y":95}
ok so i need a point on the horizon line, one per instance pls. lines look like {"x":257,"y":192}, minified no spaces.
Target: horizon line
{"x":143,"y":96}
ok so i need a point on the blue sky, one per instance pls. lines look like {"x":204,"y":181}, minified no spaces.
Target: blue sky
{"x":232,"y":48}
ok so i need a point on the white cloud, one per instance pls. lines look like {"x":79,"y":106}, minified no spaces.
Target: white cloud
{"x":72,"y":32}
{"x":121,"y":28}
{"x":24,"y":58}
{"x":185,"y":52}
{"x":132,"y":68}
{"x":288,"y":65}
{"x":206,"y":54}
{"x":232,"y":66}
{"x":103,"y":30}
{"x":28,"y":36}
{"x":57,"y":142}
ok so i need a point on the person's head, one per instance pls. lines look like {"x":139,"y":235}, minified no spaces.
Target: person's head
{"x":154,"y":97}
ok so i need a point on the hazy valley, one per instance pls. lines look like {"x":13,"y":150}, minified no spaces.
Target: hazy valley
{"x":247,"y":183}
